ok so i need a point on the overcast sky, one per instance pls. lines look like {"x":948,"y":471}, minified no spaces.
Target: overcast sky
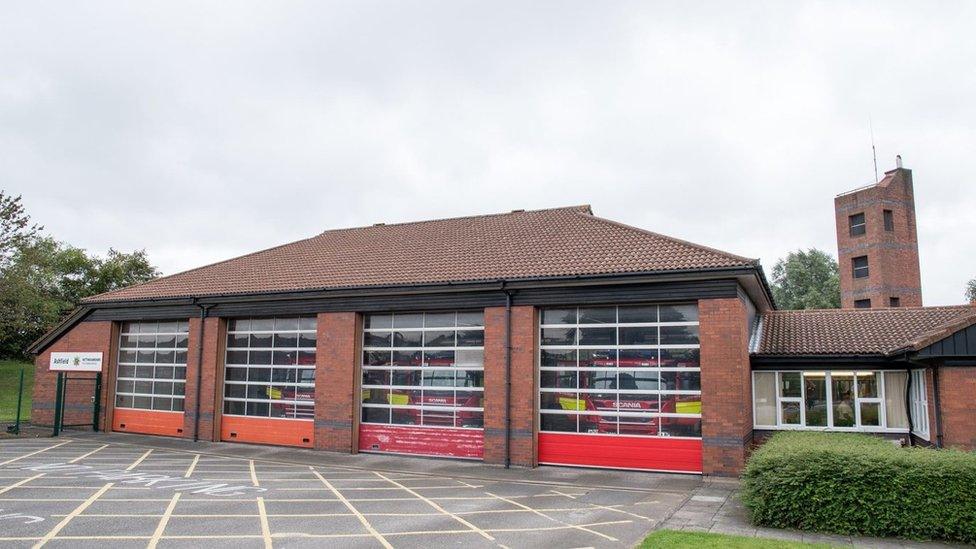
{"x":201,"y":131}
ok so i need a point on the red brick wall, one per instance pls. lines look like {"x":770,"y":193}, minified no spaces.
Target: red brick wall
{"x":726,"y":385}
{"x":892,"y":255}
{"x":524,"y":386}
{"x":337,"y":381}
{"x":214,"y":330}
{"x":957,"y":387}
{"x":85,"y":337}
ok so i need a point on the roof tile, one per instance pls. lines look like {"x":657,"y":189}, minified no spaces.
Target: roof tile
{"x":517,"y":245}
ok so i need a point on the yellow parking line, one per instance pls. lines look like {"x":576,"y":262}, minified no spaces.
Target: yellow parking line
{"x":9,"y":461}
{"x":81,"y":457}
{"x":265,"y":528}
{"x":430,"y":502}
{"x":362,"y":519}
{"x":138,"y":461}
{"x":196,"y":459}
{"x":254,"y":474}
{"x":163,"y":522}
{"x":21,"y":483}
{"x":78,"y":510}
{"x":541,"y":514}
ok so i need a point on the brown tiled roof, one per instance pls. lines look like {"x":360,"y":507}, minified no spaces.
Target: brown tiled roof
{"x":856,"y":331}
{"x":518,"y":245}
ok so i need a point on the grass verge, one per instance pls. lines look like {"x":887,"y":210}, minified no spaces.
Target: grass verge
{"x":671,"y":539}
{"x":9,"y":380}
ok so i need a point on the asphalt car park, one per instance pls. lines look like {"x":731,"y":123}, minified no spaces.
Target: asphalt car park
{"x":89,"y":490}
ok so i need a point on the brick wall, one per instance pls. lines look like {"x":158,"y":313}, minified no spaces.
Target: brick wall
{"x":336,"y":382}
{"x":524,"y":386}
{"x":957,"y":388}
{"x":214,"y":330}
{"x":85,"y":337}
{"x":726,"y":385}
{"x":892,"y":255}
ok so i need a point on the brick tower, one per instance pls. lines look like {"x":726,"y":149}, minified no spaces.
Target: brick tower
{"x":877,"y":244}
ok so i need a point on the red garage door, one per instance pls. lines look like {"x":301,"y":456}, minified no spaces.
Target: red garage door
{"x":151,"y":378}
{"x":269,"y":381}
{"x":621,"y":387}
{"x":423,"y":384}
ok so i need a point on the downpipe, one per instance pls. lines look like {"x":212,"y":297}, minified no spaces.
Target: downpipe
{"x":508,"y":379}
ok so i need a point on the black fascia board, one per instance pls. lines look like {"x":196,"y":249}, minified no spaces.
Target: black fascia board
{"x":827,"y":362}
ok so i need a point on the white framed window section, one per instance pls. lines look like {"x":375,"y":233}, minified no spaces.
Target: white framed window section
{"x":620,"y":370}
{"x":269,"y":368}
{"x":152,"y":365}
{"x":862,"y":400}
{"x":424,"y":369}
{"x":920,"y":405}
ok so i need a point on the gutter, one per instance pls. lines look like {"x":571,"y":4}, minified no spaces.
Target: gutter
{"x":204,"y":309}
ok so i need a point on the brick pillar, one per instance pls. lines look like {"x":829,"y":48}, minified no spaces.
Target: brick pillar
{"x":957,"y":385}
{"x":525,"y":386}
{"x":726,"y":385}
{"x":85,"y":337}
{"x":337,"y":357}
{"x":211,"y":381}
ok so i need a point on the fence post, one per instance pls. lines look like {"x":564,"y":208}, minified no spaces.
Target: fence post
{"x":58,"y":403}
{"x":20,"y":400}
{"x":97,"y":408}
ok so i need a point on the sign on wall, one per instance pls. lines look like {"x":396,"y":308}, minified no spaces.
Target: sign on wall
{"x":76,"y":362}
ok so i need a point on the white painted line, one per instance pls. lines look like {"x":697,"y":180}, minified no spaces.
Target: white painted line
{"x":83,"y":456}
{"x":541,"y":514}
{"x":21,"y":483}
{"x":362,"y":519}
{"x":196,"y":459}
{"x":34,"y":453}
{"x":78,"y":510}
{"x":710,"y":499}
{"x":138,"y":461}
{"x":265,"y":528}
{"x":428,"y":501}
{"x":163,"y":522}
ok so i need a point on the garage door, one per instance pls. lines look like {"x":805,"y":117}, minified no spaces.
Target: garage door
{"x":621,"y":387}
{"x":150,"y":378}
{"x":269,"y":381}
{"x":423,"y":384}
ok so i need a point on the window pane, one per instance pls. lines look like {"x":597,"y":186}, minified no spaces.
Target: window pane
{"x":408,"y":320}
{"x":559,"y":316}
{"x":764,"y":398}
{"x":471,"y":338}
{"x":602,"y":358}
{"x":679,"y":313}
{"x":791,"y":412}
{"x":408,"y":339}
{"x":638,"y":358}
{"x":790,"y":384}
{"x":558,"y":422}
{"x":681,"y":427}
{"x":816,"y":399}
{"x":640,"y":314}
{"x":646,"y":335}
{"x":867,"y":384}
{"x":896,"y":413}
{"x":558,"y":357}
{"x":679,"y":335}
{"x":680,"y":358}
{"x":558,"y":336}
{"x":377,"y":339}
{"x":870,"y":414}
{"x":842,"y":391}
{"x":597,"y":315}
{"x":372,"y":322}
{"x":437,"y":320}
{"x":471,"y":318}
{"x":439,"y":339}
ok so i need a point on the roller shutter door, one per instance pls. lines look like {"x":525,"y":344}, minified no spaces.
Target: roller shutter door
{"x":620,"y":387}
{"x":269,"y":381}
{"x":151,"y":378}
{"x":423,"y":384}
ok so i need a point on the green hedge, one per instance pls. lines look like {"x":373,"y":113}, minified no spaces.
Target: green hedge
{"x":860,"y":484}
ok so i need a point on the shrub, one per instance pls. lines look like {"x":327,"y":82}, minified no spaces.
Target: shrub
{"x":860,"y":484}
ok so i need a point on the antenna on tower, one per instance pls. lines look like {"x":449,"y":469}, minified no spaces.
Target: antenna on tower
{"x":874,"y":152}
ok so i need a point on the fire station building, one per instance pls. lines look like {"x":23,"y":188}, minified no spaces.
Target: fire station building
{"x":530,"y":337}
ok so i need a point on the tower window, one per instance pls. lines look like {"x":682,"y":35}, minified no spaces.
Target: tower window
{"x":860,"y":266}
{"x":857,"y":224}
{"x":862,"y":303}
{"x":889,"y":220}
{"x":894,"y":302}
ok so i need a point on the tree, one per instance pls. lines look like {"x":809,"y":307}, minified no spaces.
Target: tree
{"x":806,"y":280}
{"x":971,"y":291}
{"x":15,"y":226}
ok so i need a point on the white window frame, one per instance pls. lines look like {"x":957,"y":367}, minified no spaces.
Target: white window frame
{"x":920,"y":405}
{"x":880,"y":399}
